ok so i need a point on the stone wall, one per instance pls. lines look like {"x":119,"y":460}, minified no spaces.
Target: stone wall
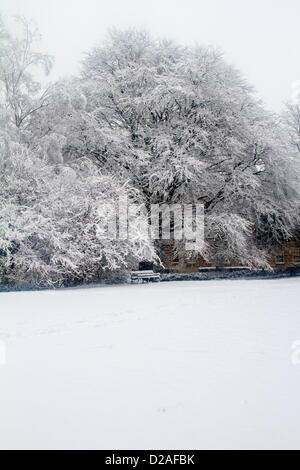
{"x":286,"y":257}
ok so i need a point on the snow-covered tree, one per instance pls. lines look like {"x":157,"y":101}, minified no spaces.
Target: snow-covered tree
{"x":198,"y":134}
{"x":148,"y":121}
{"x":55,"y":202}
{"x":53,"y":221}
{"x":21,"y":94}
{"x":292,"y":117}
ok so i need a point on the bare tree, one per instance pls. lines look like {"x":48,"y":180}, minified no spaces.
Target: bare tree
{"x":21,"y":95}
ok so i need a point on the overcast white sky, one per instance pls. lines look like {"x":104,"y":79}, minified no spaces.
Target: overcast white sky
{"x":261,"y":37}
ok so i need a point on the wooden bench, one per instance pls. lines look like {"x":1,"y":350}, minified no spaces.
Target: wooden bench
{"x":145,"y":276}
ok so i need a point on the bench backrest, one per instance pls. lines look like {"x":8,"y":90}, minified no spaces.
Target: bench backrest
{"x":141,"y":273}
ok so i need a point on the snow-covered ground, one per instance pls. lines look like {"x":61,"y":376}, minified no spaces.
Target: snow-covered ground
{"x":183,"y":365}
